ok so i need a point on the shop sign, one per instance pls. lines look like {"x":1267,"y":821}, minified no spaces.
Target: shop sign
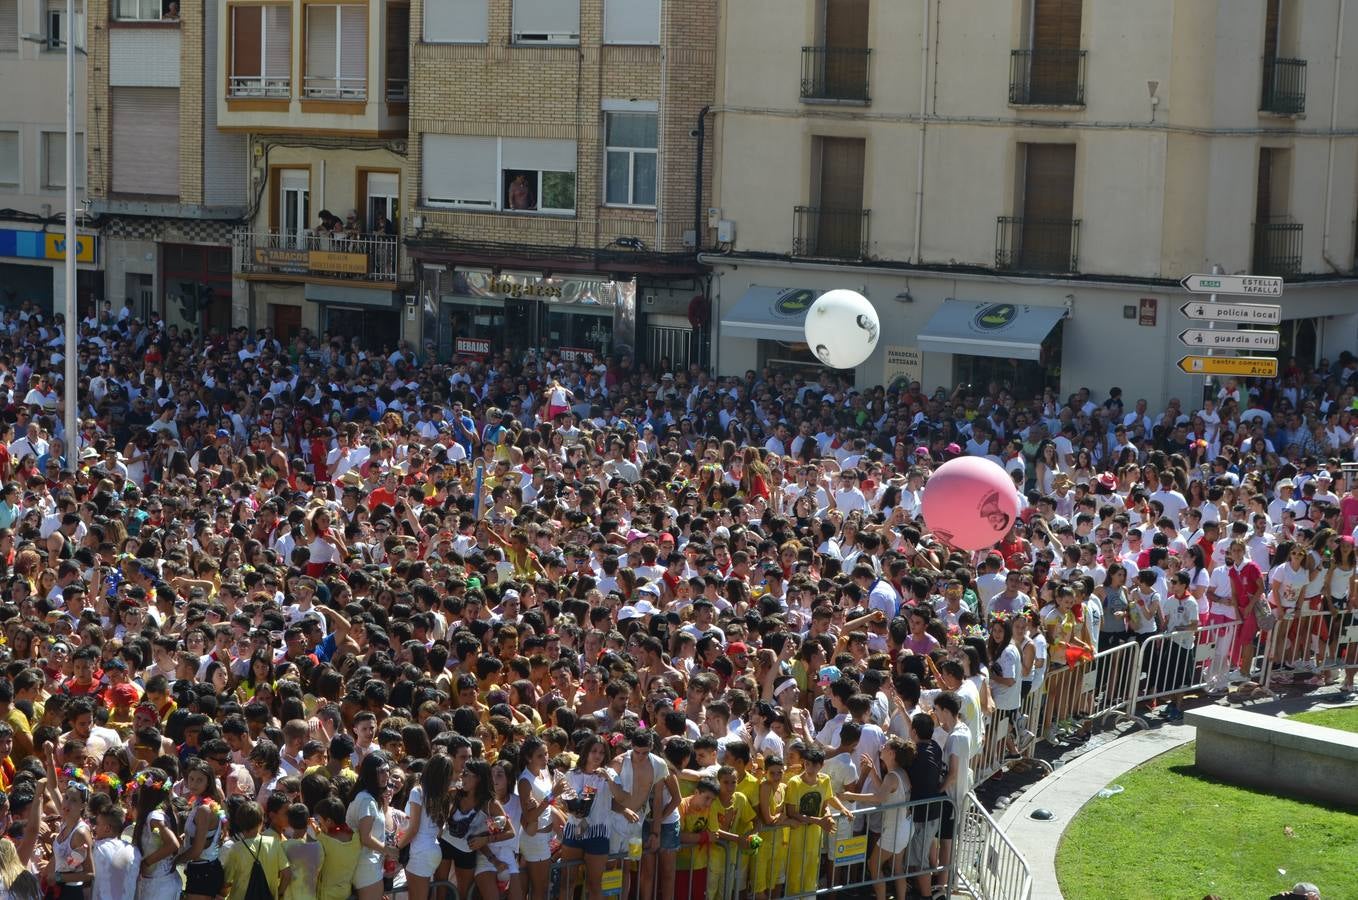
{"x":472,"y":347}
{"x":288,"y":260}
{"x":903,"y":365}
{"x":584,"y":291}
{"x":577,"y":354}
{"x":22,"y":244}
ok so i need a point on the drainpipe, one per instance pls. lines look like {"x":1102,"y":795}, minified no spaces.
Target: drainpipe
{"x":1334,"y":118}
{"x":701,"y":134}
{"x":923,"y":128}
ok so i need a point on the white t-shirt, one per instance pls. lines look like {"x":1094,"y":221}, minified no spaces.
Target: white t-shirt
{"x":427,"y":838}
{"x":1291,"y":584}
{"x":1010,"y":665}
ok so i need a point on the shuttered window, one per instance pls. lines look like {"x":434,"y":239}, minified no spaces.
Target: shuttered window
{"x":9,"y":26}
{"x":460,"y":171}
{"x":1049,"y":182}
{"x":247,"y":41}
{"x":841,"y":173}
{"x":146,"y":141}
{"x":54,"y":160}
{"x":546,"y":21}
{"x":1056,"y":24}
{"x":456,"y":21}
{"x":261,"y":61}
{"x":398,"y":52}
{"x":337,"y":52}
{"x":9,"y":158}
{"x":632,"y":22}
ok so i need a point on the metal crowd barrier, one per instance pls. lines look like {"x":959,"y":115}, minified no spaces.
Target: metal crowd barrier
{"x":986,"y":864}
{"x":1309,"y":647}
{"x":1010,"y":739}
{"x":1093,"y":692}
{"x":1168,"y":667}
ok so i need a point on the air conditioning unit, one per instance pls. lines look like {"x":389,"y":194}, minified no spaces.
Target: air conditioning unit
{"x":726,"y":231}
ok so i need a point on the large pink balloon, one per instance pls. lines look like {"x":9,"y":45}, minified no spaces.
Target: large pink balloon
{"x":970,"y":502}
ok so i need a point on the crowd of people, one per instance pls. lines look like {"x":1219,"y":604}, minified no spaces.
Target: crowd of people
{"x":310,"y":620}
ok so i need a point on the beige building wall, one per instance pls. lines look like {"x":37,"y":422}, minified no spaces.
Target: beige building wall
{"x":1160,"y":190}
{"x":1165,"y":180}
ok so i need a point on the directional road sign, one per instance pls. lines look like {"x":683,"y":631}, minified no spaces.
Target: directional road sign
{"x":1246,"y":366}
{"x":1244,"y":313}
{"x":1229,"y":340}
{"x":1236,"y":285}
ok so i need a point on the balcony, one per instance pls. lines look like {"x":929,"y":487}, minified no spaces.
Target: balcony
{"x":1037,"y":245}
{"x":1277,"y":247}
{"x":332,"y":87}
{"x":1284,"y":87}
{"x":1047,"y":77}
{"x":259,"y":86}
{"x":830,"y":233}
{"x":835,"y":75}
{"x":368,"y":258}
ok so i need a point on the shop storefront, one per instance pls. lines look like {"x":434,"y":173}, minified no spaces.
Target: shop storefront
{"x":32,"y":268}
{"x":372,"y":315}
{"x":775,"y":317}
{"x":482,"y":312}
{"x":1013,"y":344}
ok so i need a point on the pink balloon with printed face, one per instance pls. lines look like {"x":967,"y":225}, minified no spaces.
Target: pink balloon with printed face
{"x":970,"y":503}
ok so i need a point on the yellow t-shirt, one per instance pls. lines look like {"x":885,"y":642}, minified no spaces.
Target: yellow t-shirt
{"x":809,"y":799}
{"x":695,"y":856}
{"x":240,"y":859}
{"x":749,"y":788}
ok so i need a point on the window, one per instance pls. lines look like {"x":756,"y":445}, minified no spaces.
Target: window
{"x":145,"y":141}
{"x":546,"y":22}
{"x":632,"y":22}
{"x":456,"y":22}
{"x":460,"y":171}
{"x":9,"y":158}
{"x":9,"y":26}
{"x":630,"y":155}
{"x":54,"y":160}
{"x":56,"y":24}
{"x":383,"y":192}
{"x":537,"y":175}
{"x":515,"y":174}
{"x":337,"y":52}
{"x":146,"y":10}
{"x":294,"y":204}
{"x":261,"y":58}
{"x":398,"y":53}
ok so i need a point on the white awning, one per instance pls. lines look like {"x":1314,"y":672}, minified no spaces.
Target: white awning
{"x":769,"y":313}
{"x":990,"y":329}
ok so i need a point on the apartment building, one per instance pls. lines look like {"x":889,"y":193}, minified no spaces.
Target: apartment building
{"x":320,"y":93}
{"x":1018,"y":193}
{"x":33,"y":157}
{"x":164,"y":181}
{"x":558,"y":160}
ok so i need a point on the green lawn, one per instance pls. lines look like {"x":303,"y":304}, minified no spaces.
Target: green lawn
{"x":1345,"y":719}
{"x":1174,"y":834}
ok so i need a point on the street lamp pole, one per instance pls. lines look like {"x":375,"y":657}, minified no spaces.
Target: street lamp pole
{"x":71,"y":381}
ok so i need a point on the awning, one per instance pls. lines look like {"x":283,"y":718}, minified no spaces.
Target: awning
{"x":769,"y":313}
{"x":990,"y":329}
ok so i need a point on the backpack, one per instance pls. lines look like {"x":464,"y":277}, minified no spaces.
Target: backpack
{"x":257,"y":888}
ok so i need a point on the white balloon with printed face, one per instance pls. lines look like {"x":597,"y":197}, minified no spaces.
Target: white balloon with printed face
{"x":841,"y":328}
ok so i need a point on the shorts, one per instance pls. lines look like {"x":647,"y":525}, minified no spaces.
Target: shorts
{"x":367,"y":874}
{"x":536,"y":848}
{"x":484,"y":865}
{"x":424,"y":862}
{"x":947,"y":825}
{"x":669,"y":835}
{"x":71,"y":892}
{"x":464,"y":859}
{"x":921,"y":842}
{"x":446,"y":850}
{"x":204,"y":876}
{"x":595,"y":846}
{"x":1110,"y":639}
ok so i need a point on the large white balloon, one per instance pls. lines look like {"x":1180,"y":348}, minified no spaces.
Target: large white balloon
{"x":841,"y":328}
